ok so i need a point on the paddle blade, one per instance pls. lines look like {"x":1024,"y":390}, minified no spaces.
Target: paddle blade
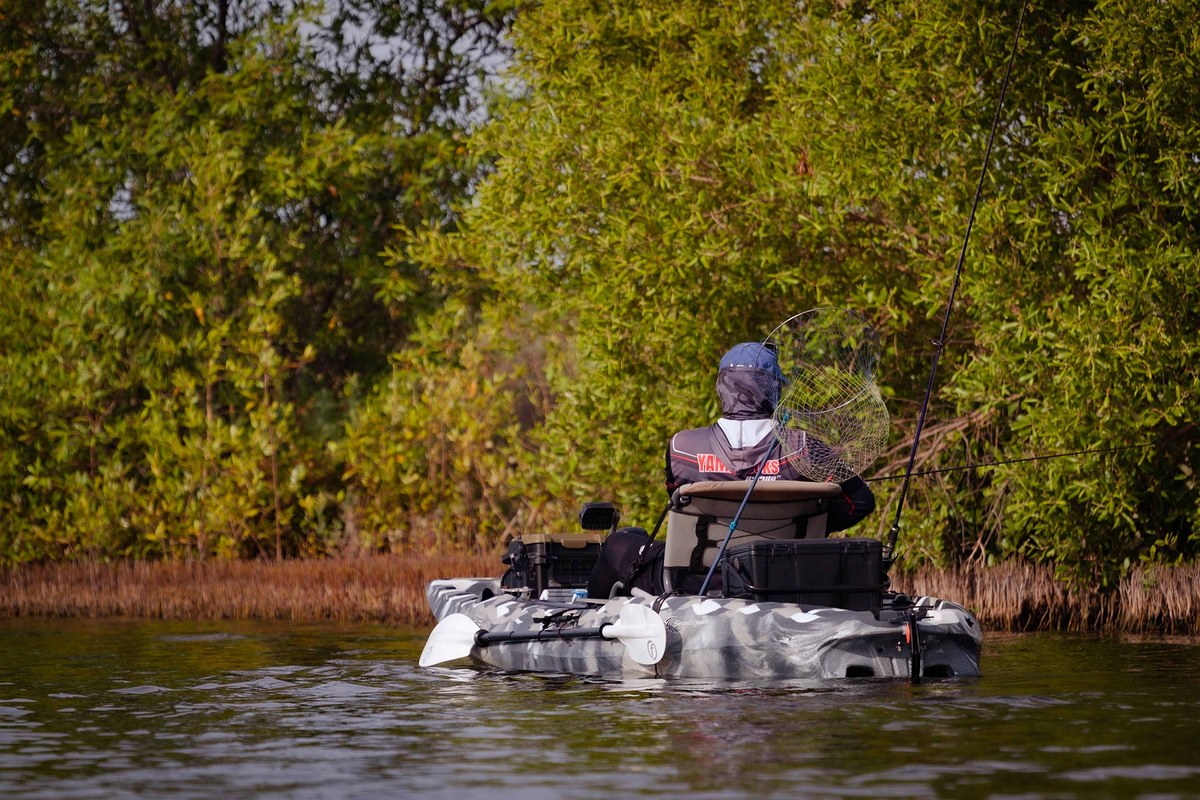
{"x":451,"y":640}
{"x":642,"y":632}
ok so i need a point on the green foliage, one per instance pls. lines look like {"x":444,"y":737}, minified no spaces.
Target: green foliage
{"x":265,"y":299}
{"x":196,"y":199}
{"x":447,"y":458}
{"x":1088,"y":319}
{"x":678,"y":177}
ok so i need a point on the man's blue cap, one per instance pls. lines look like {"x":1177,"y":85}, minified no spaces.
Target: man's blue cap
{"x":752,"y":355}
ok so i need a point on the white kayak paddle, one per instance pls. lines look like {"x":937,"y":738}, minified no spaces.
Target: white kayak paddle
{"x":638,"y":627}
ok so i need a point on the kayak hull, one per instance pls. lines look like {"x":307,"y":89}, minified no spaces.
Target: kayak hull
{"x":721,"y":638}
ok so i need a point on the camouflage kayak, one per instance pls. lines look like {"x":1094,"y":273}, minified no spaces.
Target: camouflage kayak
{"x":713,"y":638}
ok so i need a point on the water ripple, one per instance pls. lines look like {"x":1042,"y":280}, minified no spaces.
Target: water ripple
{"x":279,"y":711}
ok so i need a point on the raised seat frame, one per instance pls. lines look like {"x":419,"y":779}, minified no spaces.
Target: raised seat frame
{"x":700,"y":514}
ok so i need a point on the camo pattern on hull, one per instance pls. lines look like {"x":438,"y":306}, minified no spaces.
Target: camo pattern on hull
{"x":718,"y":639}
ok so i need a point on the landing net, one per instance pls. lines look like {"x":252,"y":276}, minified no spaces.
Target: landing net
{"x":831,"y":420}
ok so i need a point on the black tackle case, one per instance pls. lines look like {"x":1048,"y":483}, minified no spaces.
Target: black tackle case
{"x":551,"y":561}
{"x":838,"y":573}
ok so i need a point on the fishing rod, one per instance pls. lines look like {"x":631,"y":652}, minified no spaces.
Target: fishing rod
{"x":940,"y":342}
{"x":733,"y":522}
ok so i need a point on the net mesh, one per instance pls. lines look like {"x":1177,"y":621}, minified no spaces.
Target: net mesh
{"x":830,"y":420}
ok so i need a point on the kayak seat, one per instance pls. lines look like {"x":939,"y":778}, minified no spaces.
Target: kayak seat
{"x":700,"y":513}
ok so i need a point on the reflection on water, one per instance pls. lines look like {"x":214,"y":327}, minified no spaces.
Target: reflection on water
{"x":111,"y":709}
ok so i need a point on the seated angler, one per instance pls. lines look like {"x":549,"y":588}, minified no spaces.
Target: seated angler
{"x":748,"y":384}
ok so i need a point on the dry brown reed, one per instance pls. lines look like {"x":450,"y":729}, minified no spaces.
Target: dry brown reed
{"x":1163,"y":599}
{"x":391,"y":589}
{"x":384,"y":588}
{"x":1018,"y":596}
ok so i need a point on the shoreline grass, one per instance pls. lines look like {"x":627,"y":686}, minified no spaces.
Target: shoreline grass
{"x":1022,"y":597}
{"x":381,"y":588}
{"x":391,"y":589}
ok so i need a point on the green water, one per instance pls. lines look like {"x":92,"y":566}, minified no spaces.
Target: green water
{"x":116,"y":709}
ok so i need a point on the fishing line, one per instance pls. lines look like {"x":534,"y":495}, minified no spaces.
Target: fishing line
{"x":733,"y":523}
{"x":940,"y":342}
{"x":985,"y":464}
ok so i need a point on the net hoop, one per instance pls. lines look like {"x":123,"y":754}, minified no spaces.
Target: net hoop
{"x":830,"y":420}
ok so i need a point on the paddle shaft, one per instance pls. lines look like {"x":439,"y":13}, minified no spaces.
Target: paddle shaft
{"x":484,"y":638}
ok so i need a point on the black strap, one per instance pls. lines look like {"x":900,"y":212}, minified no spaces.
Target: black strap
{"x":643,"y":561}
{"x":703,"y":523}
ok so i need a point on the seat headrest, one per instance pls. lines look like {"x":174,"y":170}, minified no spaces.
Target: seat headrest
{"x":764,"y":491}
